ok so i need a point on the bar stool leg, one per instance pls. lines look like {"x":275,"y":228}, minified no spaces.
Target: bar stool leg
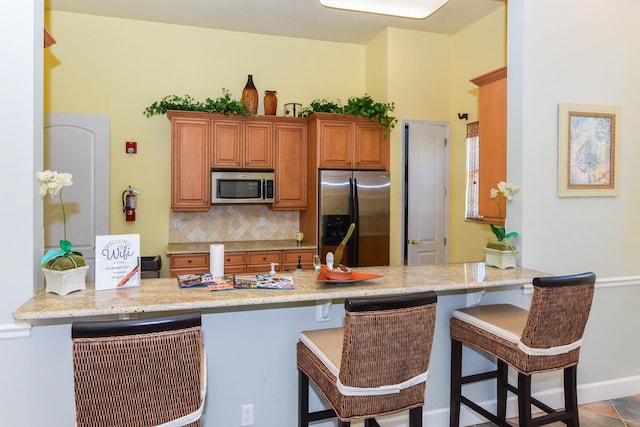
{"x":501,"y":389}
{"x":415,"y":417}
{"x":303,"y":399}
{"x":456,"y":383}
{"x":571,"y":395}
{"x":524,"y":400}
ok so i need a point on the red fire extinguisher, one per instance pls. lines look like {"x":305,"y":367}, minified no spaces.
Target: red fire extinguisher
{"x":129,"y":203}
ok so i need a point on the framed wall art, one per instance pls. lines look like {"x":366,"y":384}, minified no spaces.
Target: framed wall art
{"x":588,"y":150}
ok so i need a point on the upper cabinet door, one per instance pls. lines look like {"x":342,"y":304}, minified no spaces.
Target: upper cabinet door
{"x":291,"y":166}
{"x":336,"y":144}
{"x":369,"y":146}
{"x":190,"y":176}
{"x":258,"y":145}
{"x":226,"y":150}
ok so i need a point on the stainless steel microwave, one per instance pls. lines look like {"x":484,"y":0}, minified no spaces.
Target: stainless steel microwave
{"x":242,"y":186}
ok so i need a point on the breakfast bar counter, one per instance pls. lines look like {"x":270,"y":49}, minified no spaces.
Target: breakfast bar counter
{"x":161,"y":295}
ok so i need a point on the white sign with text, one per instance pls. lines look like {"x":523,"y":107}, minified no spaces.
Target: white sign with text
{"x":117,"y":261}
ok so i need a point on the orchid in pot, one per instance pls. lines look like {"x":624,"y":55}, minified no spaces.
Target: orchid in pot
{"x":64,"y":269}
{"x":501,"y":253}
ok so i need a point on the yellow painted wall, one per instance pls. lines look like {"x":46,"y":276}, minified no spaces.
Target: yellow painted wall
{"x":118,"y":67}
{"x":477,"y":49}
{"x":413,"y":70}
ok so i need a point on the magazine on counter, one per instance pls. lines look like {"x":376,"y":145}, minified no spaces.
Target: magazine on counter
{"x":195,"y":280}
{"x":235,"y":281}
{"x":262,"y":281}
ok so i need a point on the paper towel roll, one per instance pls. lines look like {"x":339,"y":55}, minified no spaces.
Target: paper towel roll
{"x":216,"y":260}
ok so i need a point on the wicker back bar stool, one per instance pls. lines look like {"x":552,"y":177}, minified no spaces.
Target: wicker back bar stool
{"x":546,"y":337}
{"x":376,"y":365}
{"x":139,"y":372}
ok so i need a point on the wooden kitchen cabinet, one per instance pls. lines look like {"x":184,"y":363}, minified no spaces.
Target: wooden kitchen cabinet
{"x":188,"y":264}
{"x":290,"y":259}
{"x":291,"y":166}
{"x":201,"y":141}
{"x":190,"y":176}
{"x":492,"y":116}
{"x":243,"y":262}
{"x":260,"y":262}
{"x":235,"y":262}
{"x":242,"y":143}
{"x":348,"y":142}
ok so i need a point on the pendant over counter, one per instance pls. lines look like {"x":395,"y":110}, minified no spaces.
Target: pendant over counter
{"x":250,"y":96}
{"x":270,"y":102}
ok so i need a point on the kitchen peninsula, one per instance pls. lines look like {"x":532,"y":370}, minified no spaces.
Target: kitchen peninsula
{"x":161,"y":295}
{"x":250,"y":334}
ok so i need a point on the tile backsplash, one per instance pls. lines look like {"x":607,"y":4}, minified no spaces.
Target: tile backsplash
{"x":229,"y":223}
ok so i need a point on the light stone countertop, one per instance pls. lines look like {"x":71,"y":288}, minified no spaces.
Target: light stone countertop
{"x":158,"y":295}
{"x":238,"y":246}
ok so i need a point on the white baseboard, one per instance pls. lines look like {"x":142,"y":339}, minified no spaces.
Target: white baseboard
{"x":15,"y":330}
{"x":587,"y":393}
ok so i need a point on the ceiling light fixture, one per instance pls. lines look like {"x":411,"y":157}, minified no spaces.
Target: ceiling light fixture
{"x":417,"y":9}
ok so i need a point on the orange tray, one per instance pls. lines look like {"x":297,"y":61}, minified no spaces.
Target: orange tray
{"x":355,"y":277}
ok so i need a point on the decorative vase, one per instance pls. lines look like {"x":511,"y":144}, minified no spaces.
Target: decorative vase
{"x":62,"y":282}
{"x":250,"y":96}
{"x":270,"y":102}
{"x":500,"y":259}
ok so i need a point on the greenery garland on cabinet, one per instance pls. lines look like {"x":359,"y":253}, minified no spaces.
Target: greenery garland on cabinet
{"x":363,"y":106}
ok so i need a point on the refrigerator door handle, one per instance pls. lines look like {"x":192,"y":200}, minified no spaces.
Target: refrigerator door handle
{"x":355,"y":245}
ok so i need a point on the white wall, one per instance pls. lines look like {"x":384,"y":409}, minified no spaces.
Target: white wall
{"x":582,"y":52}
{"x":558,"y":52}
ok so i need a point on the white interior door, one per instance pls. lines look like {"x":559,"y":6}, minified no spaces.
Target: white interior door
{"x":78,"y":144}
{"x":426,"y":198}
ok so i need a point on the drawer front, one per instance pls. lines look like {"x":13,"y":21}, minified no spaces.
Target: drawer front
{"x":189,"y":260}
{"x":264,"y":257}
{"x":235,"y":258}
{"x":306,"y":256}
{"x":235,"y":269}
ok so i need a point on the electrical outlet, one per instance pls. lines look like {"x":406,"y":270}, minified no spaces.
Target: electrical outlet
{"x":263,"y":221}
{"x":176,"y":223}
{"x":323,"y":313}
{"x":246,"y":418}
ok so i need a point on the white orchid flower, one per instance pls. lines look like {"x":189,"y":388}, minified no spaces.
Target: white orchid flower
{"x":52,"y":182}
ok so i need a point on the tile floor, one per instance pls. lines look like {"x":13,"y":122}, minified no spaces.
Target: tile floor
{"x":622,"y":412}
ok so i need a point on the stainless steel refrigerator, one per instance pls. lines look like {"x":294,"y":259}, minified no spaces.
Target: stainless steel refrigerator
{"x":360,"y":197}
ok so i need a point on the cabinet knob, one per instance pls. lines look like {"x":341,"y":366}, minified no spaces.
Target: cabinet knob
{"x":237,"y":163}
{"x":189,"y":261}
{"x":246,"y":163}
{"x":205,"y":201}
{"x":228,"y":259}
{"x":264,"y":258}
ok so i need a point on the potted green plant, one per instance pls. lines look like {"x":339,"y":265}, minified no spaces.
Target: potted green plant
{"x":223,"y":105}
{"x":363,"y":106}
{"x":65,"y":270}
{"x":501,"y":253}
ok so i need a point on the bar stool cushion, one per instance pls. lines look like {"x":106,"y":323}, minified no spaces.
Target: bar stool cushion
{"x":504,"y":320}
{"x":326,"y":344}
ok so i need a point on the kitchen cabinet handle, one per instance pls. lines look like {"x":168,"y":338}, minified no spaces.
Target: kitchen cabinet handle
{"x":246,"y":163}
{"x":189,"y":261}
{"x":228,"y":259}
{"x":205,"y":201}
{"x":264,"y":258}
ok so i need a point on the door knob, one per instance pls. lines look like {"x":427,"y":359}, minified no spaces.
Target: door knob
{"x":416,"y":242}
